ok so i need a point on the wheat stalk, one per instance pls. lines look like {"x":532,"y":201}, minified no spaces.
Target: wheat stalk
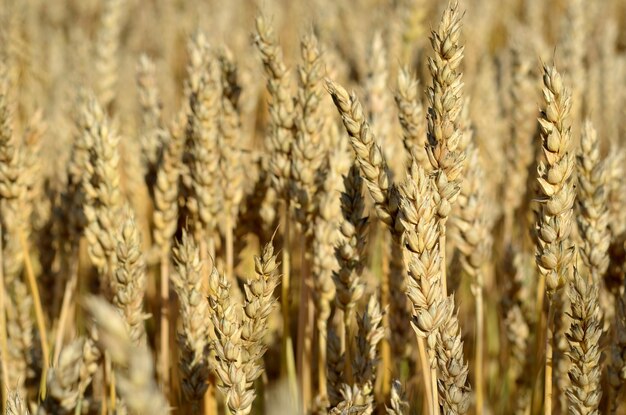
{"x":15,"y":219}
{"x":326,"y":236}
{"x":278,"y":143}
{"x":418,"y":216}
{"x":474,"y":242}
{"x":554,"y":253}
{"x":230,"y":159}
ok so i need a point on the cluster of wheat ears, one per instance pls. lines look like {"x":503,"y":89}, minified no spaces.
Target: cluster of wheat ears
{"x":212,"y":207}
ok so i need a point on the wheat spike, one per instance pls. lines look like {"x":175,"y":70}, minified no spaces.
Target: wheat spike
{"x":134,"y":372}
{"x":445,"y":105}
{"x":279,"y":140}
{"x":129,"y":283}
{"x":592,"y":204}
{"x":583,"y":337}
{"x":227,"y":341}
{"x":369,"y":156}
{"x":103,"y":199}
{"x":107,"y":49}
{"x":15,"y":404}
{"x":411,"y":116}
{"x":193,"y":340}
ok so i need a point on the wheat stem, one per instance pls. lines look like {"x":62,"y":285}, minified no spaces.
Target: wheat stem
{"x":3,"y":330}
{"x":425,"y":373}
{"x":288,"y":367}
{"x":348,"y":336}
{"x":479,"y":351}
{"x":41,"y":323}
{"x":68,"y":293}
{"x":303,"y":343}
{"x":165,"y":318}
{"x":385,"y":349}
{"x":229,"y":248}
{"x":547,"y":392}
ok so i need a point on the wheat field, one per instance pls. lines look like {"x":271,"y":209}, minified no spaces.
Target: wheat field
{"x":312,"y":207}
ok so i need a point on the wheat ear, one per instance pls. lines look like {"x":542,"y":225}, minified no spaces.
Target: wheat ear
{"x":278,"y":143}
{"x":193,"y":341}
{"x":15,"y":404}
{"x":475,"y":243}
{"x":259,"y":302}
{"x":229,"y":347}
{"x":584,"y":392}
{"x":107,"y":48}
{"x":411,"y":116}
{"x":153,"y":138}
{"x":349,"y":253}
{"x":554,"y":252}
{"x":418,"y":216}
{"x":368,"y":154}
{"x":444,"y":132}
{"x":593,"y":217}
{"x":134,"y":372}
{"x":398,"y":404}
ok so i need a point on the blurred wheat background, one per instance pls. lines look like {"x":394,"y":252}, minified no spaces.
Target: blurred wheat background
{"x":312,"y":207}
